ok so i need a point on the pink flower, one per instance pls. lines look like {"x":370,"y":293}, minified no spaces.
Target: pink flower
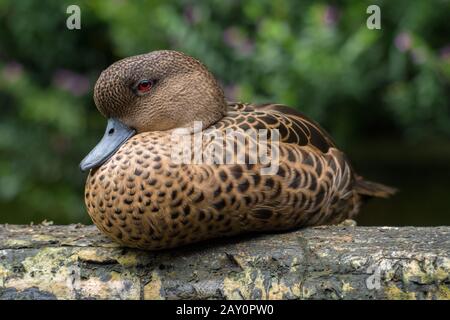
{"x":444,"y":53}
{"x":234,"y":38}
{"x":72,"y":82}
{"x":12,"y":71}
{"x":331,"y":16}
{"x":403,"y":41}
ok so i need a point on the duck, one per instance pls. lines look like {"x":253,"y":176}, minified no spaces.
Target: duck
{"x":140,"y":194}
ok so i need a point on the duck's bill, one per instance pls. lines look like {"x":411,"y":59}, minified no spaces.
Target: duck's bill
{"x":115,"y":135}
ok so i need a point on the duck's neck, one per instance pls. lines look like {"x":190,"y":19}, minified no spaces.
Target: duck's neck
{"x":205,"y":102}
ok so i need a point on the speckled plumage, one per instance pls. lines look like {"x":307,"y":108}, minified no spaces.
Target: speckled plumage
{"x":141,"y":198}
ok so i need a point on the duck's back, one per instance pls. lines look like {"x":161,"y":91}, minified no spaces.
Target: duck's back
{"x":313,"y":182}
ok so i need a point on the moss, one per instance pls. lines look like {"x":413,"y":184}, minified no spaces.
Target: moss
{"x":346,"y":287}
{"x":253,"y":283}
{"x":15,"y":243}
{"x":57,"y":272}
{"x":129,"y":259}
{"x":42,"y":238}
{"x":120,"y":286}
{"x":113,"y":255}
{"x":46,"y":271}
{"x":413,"y":272}
{"x":443,"y":293}
{"x":4,"y":273}
{"x":394,"y":293}
{"x":95,"y":255}
{"x":425,"y":272}
{"x":152,"y":290}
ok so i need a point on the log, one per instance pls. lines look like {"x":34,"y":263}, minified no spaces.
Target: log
{"x":333,"y":262}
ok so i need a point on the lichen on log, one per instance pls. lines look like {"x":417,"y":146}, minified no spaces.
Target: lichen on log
{"x":335,"y":262}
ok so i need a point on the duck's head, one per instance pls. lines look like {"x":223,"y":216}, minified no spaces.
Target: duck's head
{"x":158,"y":91}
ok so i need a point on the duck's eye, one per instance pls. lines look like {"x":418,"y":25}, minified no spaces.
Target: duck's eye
{"x":144,"y":86}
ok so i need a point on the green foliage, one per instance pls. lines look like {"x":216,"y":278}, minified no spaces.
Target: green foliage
{"x":316,"y":56}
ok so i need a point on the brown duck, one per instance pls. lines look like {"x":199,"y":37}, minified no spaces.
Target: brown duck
{"x":139,"y":196}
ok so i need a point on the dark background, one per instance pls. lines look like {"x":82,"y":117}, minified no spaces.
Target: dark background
{"x":383,"y":94}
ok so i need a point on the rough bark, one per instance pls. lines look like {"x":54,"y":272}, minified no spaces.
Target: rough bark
{"x":77,"y":262}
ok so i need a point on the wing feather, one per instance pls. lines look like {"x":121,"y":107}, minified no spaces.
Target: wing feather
{"x":293,"y":126}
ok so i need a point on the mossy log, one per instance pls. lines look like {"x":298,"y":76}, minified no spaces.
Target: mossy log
{"x":77,"y":262}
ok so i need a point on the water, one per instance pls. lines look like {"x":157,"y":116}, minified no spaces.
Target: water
{"x":421,"y":172}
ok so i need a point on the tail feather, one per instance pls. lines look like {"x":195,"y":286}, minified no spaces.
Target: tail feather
{"x":373,"y":189}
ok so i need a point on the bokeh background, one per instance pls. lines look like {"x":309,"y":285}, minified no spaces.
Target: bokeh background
{"x":383,"y":94}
